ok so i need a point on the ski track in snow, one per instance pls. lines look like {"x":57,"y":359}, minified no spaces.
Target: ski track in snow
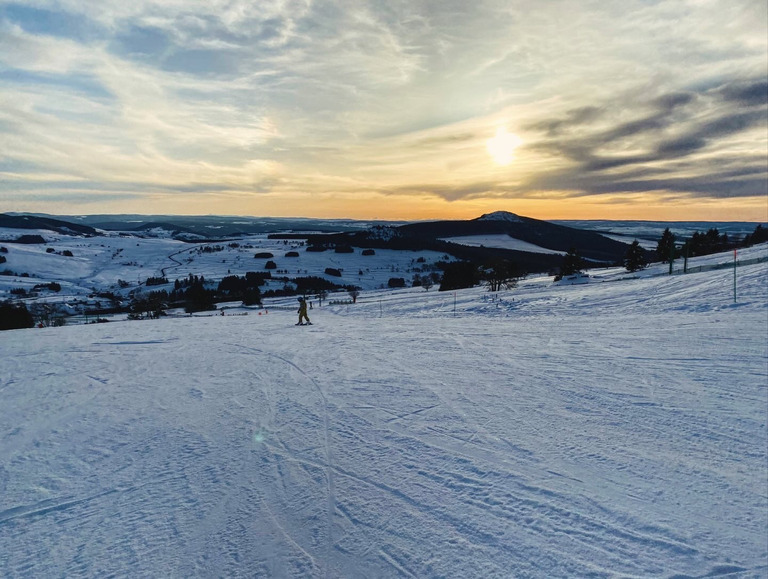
{"x":614,"y":430}
{"x":329,"y":469}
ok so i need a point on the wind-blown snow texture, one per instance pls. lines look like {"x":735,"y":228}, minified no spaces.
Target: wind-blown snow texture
{"x":598,"y":430}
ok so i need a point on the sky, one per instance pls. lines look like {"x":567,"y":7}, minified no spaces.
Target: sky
{"x":417,"y":109}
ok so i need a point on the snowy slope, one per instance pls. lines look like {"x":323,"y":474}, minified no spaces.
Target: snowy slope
{"x":598,"y":430}
{"x":502,"y":241}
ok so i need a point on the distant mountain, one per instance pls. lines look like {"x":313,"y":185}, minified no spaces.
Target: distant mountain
{"x":46,"y":223}
{"x":201,"y":227}
{"x":182,"y":227}
{"x":591,"y":245}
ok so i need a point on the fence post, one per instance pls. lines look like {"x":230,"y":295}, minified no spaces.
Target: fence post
{"x":671,"y":256}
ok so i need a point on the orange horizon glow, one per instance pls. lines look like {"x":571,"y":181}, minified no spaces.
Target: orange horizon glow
{"x":424,"y":208}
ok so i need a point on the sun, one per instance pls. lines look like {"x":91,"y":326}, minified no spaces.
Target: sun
{"x":502,"y":146}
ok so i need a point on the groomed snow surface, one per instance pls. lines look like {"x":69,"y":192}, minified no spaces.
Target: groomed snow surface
{"x":596,"y":430}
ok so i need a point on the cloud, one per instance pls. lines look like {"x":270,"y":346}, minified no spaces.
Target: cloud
{"x":444,"y":191}
{"x":142,"y":42}
{"x":82,"y":83}
{"x":671,"y":101}
{"x":572,"y":119}
{"x":746,"y":93}
{"x":678,"y":126}
{"x":44,"y":21}
{"x":302,"y":97}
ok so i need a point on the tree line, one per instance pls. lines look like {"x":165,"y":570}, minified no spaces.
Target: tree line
{"x":705,"y":243}
{"x":195,"y":294}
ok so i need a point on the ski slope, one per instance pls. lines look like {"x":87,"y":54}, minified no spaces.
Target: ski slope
{"x":594,"y":430}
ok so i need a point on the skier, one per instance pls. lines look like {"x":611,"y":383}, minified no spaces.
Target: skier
{"x":303,"y":312}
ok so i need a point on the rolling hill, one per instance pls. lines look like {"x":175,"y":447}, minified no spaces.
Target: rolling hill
{"x":591,"y":245}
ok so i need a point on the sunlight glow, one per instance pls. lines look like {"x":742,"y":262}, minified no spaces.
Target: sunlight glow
{"x":502,"y":146}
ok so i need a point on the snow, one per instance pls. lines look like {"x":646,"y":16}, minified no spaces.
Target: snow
{"x":501,"y":216}
{"x":502,"y":241}
{"x":649,"y":244}
{"x":595,"y":430}
{"x":652,"y":230}
{"x":121,"y":264}
{"x":383,"y":233}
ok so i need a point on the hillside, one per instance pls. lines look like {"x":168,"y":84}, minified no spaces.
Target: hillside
{"x":604,"y":430}
{"x":204,"y":227}
{"x":533,"y":246}
{"x":43,"y":223}
{"x":591,"y":245}
{"x":411,"y":236}
{"x":539,"y":243}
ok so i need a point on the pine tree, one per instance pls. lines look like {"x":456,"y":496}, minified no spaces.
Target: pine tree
{"x":14,"y":316}
{"x":572,"y":263}
{"x":635,"y":258}
{"x":459,"y":275}
{"x":252,"y":296}
{"x":665,"y":246}
{"x":198,"y":298}
{"x":760,"y":235}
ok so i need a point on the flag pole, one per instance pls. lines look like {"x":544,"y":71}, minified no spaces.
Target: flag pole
{"x":734,"y":275}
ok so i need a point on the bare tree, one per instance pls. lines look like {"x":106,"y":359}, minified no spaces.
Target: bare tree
{"x":499,"y":274}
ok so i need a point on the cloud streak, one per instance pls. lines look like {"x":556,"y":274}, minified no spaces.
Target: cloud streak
{"x":674,"y":147}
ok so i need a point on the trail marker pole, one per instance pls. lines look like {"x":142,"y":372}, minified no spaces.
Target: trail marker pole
{"x":454,"y":304}
{"x":671,"y":257}
{"x":735,"y":252}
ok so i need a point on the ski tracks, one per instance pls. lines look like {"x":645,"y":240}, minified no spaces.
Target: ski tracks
{"x":328,"y":451}
{"x":329,"y":468}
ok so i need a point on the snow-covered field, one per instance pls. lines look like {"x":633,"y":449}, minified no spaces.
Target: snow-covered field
{"x":592,"y":430}
{"x":502,"y":241}
{"x":122,"y":264}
